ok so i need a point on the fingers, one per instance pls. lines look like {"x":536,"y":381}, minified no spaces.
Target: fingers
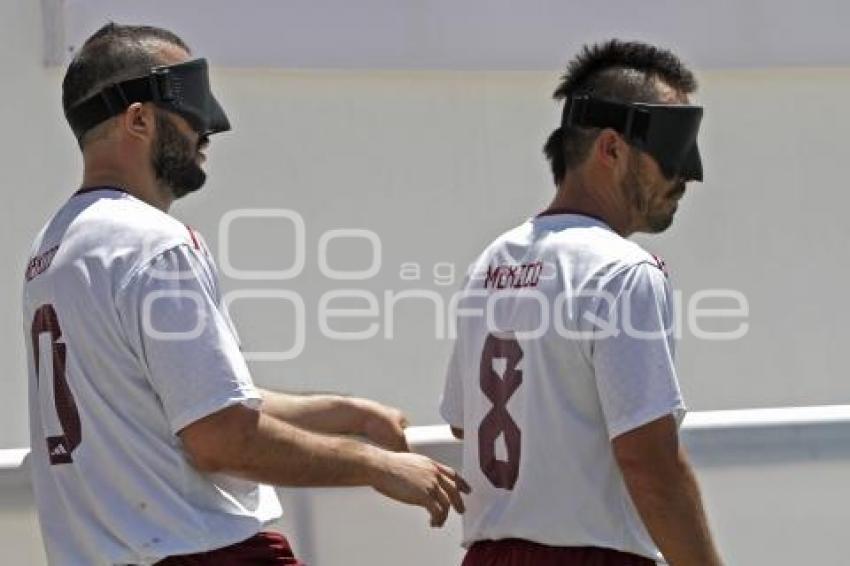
{"x":450,"y":486}
{"x":399,"y":423}
{"x":385,"y":427}
{"x":447,"y":495}
{"x":401,"y":443}
{"x":392,"y":439}
{"x":462,"y":486}
{"x":434,"y":510}
{"x":439,"y":506}
{"x":419,"y":480}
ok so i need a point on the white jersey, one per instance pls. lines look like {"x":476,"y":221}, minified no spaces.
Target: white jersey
{"x":128,"y":343}
{"x":564,"y":341}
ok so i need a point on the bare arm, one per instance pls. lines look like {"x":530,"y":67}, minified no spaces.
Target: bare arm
{"x":335,"y":414}
{"x":665,"y":493}
{"x":251,"y":444}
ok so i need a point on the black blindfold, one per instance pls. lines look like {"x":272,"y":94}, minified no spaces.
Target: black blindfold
{"x":668,"y":132}
{"x":183,"y":88}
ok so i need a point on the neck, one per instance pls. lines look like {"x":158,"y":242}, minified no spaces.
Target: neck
{"x":579,"y":195}
{"x":140,"y":184}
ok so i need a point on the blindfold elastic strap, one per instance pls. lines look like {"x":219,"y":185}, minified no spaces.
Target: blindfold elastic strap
{"x":586,"y":112}
{"x":113,"y":100}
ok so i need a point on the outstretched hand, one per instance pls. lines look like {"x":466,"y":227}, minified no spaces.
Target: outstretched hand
{"x":418,"y":480}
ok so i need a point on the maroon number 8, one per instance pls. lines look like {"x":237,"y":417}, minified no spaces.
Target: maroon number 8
{"x":59,"y":447}
{"x":502,"y":474}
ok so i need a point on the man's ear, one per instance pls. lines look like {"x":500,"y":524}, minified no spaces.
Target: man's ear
{"x":138,"y":121}
{"x":610,"y":149}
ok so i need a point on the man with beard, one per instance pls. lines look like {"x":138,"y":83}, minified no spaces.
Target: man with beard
{"x":563,"y":386}
{"x":150,"y":443}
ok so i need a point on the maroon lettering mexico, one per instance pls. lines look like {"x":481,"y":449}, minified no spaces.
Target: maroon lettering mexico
{"x":513,"y":276}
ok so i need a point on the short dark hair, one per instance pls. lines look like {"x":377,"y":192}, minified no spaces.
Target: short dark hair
{"x":114,"y":53}
{"x":622,"y":71}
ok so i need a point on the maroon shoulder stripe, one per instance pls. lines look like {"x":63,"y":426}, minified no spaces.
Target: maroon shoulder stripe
{"x":194,"y":237}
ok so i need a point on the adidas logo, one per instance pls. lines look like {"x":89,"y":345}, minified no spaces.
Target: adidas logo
{"x":59,"y":450}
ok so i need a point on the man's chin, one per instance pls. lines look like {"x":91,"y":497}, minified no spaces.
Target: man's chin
{"x":181,"y":192}
{"x":659,"y":223}
{"x":186,"y":186}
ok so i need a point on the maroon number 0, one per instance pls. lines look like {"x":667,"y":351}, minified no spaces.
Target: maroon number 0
{"x":59,"y":447}
{"x":502,"y":474}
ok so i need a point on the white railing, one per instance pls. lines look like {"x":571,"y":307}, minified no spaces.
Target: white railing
{"x":12,"y":466}
{"x":776,"y":482}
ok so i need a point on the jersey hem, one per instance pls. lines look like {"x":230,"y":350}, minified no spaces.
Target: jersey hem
{"x":565,"y":544}
{"x":677,"y":409}
{"x":456,"y":423}
{"x":251,"y":399}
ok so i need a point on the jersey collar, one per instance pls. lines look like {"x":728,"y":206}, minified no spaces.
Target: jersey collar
{"x":86,"y":190}
{"x":557,"y":211}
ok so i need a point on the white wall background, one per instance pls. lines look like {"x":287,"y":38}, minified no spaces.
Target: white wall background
{"x":436,"y":164}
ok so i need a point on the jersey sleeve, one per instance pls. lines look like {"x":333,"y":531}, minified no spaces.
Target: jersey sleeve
{"x":181,"y":335}
{"x":203,"y":249}
{"x":633,"y":357}
{"x":451,"y":403}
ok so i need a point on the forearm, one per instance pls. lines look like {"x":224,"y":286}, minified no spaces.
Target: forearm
{"x":328,"y":414}
{"x":245,"y":442}
{"x":671,"y":508}
{"x":265,"y":449}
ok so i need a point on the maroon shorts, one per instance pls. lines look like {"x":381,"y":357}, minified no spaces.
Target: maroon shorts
{"x":262,"y":549}
{"x":517,"y":552}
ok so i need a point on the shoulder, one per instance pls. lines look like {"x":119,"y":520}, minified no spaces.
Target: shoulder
{"x":499,"y":249}
{"x":117,"y":235}
{"x":518,"y":237}
{"x":593,"y":255}
{"x":609,"y":247}
{"x":138,"y":220}
{"x":128,"y":225}
{"x":606,"y":252}
{"x":643,"y":277}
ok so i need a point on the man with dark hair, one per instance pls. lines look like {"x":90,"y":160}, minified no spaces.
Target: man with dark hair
{"x":149,"y":439}
{"x":562,"y":382}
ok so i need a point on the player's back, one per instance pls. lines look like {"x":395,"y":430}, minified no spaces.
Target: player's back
{"x":522,"y":384}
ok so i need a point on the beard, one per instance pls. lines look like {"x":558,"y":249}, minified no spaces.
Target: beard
{"x":174,"y":160}
{"x":656,"y":216}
